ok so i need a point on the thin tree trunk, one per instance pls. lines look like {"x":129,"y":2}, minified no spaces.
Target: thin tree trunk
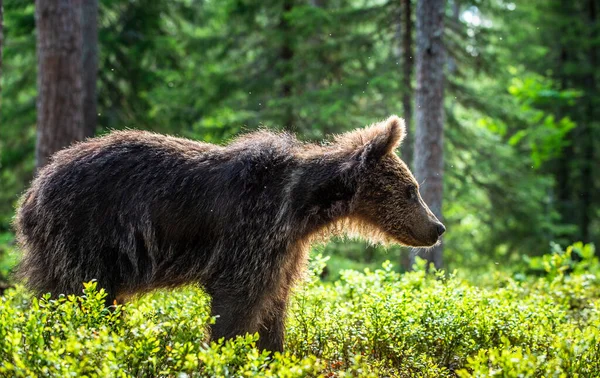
{"x":429,"y":158}
{"x":1,"y":44}
{"x":564,"y":190}
{"x":587,"y":178}
{"x":89,"y":11}
{"x":286,"y":54}
{"x":406,"y":256}
{"x":407,"y":68}
{"x":60,"y":72}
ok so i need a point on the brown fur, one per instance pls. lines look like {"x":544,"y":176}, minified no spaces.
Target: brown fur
{"x":139,"y":211}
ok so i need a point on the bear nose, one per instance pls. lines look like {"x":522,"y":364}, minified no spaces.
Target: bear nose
{"x":440,"y":229}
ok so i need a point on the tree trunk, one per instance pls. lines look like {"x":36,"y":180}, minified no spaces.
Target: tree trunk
{"x":564,"y":190}
{"x":60,"y":72}
{"x":428,"y":156}
{"x":1,"y":44}
{"x":406,"y":255}
{"x":89,"y":12}
{"x":452,"y":66}
{"x":286,"y":54}
{"x":407,"y":68}
{"x":587,"y":175}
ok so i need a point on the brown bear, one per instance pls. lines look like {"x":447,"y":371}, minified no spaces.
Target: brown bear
{"x":138,"y":211}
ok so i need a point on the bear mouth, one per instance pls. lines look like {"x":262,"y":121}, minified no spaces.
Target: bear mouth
{"x":417,"y":242}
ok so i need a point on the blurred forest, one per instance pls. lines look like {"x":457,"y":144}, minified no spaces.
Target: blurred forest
{"x":521,"y":99}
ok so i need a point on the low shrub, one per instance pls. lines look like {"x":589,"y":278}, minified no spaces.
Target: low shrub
{"x":370,"y":323}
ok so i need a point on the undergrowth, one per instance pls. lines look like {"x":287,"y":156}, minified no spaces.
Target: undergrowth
{"x":370,"y":323}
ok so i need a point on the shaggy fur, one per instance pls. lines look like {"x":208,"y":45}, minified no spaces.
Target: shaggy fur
{"x":138,"y":211}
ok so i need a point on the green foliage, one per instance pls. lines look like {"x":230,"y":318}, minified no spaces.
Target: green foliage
{"x":368,"y":324}
{"x":8,"y":255}
{"x":520,"y":153}
{"x":521,"y":127}
{"x":545,"y":136}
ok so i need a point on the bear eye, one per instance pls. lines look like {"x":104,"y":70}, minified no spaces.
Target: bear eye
{"x":411,"y":192}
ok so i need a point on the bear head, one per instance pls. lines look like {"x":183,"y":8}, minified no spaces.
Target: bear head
{"x":385,"y":195}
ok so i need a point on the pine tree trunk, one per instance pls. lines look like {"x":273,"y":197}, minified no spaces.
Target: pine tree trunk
{"x":89,"y":11}
{"x":407,"y":68}
{"x":428,"y":156}
{"x":60,"y":72}
{"x":406,"y":256}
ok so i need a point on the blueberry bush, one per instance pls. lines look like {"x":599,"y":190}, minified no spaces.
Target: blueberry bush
{"x":545,"y":323}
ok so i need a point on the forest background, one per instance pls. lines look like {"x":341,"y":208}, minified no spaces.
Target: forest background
{"x":520,"y":101}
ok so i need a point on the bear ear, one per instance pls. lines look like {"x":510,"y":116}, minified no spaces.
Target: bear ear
{"x":375,"y":141}
{"x":383,"y":138}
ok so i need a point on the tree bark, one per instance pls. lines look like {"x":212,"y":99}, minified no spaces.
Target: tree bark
{"x":429,"y":136}
{"x":407,"y":69}
{"x":405,"y":18}
{"x":60,"y":73}
{"x":89,"y":12}
{"x":452,"y":66}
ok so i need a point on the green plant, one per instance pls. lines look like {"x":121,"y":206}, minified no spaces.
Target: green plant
{"x":371,"y":323}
